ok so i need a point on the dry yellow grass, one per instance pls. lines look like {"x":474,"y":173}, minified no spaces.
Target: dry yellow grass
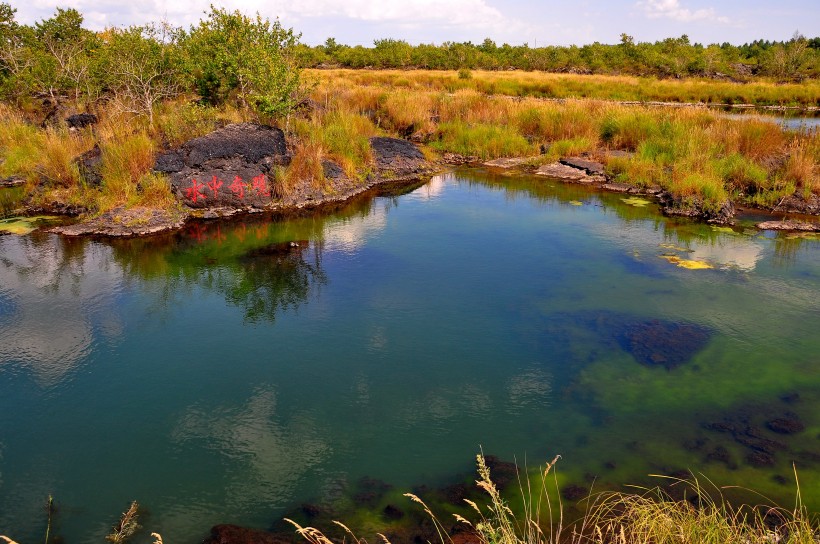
{"x":605,"y":87}
{"x":305,"y":166}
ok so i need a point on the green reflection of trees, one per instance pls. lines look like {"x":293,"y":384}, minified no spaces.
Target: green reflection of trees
{"x":264,"y":265}
{"x":267,"y":282}
{"x":787,"y":246}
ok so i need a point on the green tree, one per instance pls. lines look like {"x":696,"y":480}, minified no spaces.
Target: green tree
{"x":787,"y":61}
{"x":61,"y":54}
{"x":251,"y":60}
{"x":140,"y":66}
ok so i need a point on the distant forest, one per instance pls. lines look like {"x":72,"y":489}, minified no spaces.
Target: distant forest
{"x":792,"y":60}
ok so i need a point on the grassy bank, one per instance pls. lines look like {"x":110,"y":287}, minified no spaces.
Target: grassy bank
{"x":698,"y":515}
{"x":697,"y":155}
{"x":694,"y":153}
{"x":760,"y":92}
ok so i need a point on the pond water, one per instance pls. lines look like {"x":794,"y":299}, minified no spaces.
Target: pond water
{"x":788,"y":121}
{"x":238,"y":369}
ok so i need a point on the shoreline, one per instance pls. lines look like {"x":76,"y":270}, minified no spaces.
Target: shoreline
{"x":142,"y":221}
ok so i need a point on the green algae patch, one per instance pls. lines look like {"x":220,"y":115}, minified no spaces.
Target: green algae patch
{"x":689,"y":264}
{"x":724,"y":230}
{"x":635,"y":201}
{"x":576,"y":203}
{"x":26,"y":225}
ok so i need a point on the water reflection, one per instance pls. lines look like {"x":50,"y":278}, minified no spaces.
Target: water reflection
{"x":62,"y":300}
{"x":349,"y":235}
{"x":269,"y":452}
{"x":483,"y":310}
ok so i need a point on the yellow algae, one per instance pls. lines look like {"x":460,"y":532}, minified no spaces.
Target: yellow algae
{"x":576,"y":203}
{"x":803,"y":236}
{"x":725,"y":230}
{"x":689,"y":264}
{"x":23,"y":225}
{"x":676,"y":248}
{"x":635,"y":201}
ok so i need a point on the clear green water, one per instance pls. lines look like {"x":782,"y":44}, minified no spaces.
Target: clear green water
{"x":216,"y":377}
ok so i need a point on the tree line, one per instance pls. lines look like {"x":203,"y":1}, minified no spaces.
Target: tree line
{"x":793,"y":60}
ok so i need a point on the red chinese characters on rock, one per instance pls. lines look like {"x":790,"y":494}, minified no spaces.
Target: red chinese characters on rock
{"x":238,"y":187}
{"x":259,"y":185}
{"x":214,"y":185}
{"x":193,"y":192}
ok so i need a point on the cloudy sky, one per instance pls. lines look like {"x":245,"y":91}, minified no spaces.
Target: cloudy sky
{"x":536,"y":22}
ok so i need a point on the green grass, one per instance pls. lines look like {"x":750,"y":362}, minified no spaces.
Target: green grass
{"x":482,"y":140}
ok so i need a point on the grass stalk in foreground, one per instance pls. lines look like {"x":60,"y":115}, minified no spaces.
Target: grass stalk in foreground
{"x":650,"y":516}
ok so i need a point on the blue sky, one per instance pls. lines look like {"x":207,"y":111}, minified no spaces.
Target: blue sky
{"x":513,"y":21}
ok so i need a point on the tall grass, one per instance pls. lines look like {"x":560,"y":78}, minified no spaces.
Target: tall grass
{"x":125,"y":160}
{"x":343,"y":136}
{"x":703,"y":517}
{"x":648,"y":517}
{"x":485,"y":141}
{"x":603,"y":87}
{"x":40,"y":155}
{"x":306,"y":166}
{"x":694,"y":153}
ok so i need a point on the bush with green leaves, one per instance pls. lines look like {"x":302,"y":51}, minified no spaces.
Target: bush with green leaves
{"x":247,"y":59}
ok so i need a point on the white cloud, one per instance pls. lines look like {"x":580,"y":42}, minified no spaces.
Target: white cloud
{"x":476,"y":15}
{"x":672,"y":9}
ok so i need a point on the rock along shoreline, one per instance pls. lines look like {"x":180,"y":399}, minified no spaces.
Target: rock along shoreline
{"x":232,"y":170}
{"x":583,"y":170}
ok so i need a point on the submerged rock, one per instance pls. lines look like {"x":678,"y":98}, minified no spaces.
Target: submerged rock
{"x":574,"y":492}
{"x":370,"y":491}
{"x":789,"y":423}
{"x":664,"y":343}
{"x":502,"y":473}
{"x":760,"y":459}
{"x":234,"y":534}
{"x":230,"y":167}
{"x":393,"y":512}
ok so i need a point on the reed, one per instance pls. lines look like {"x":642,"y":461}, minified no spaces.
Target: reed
{"x":125,"y":161}
{"x":649,"y":516}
